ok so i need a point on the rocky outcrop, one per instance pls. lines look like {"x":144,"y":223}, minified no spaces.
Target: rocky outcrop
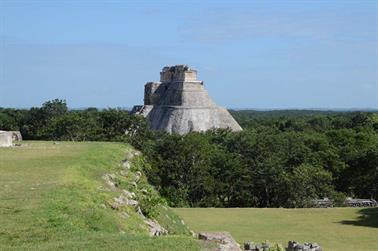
{"x":223,"y":239}
{"x":180,"y":104}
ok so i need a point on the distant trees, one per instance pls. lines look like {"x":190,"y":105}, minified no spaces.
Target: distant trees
{"x":280,"y":159}
{"x":53,"y":121}
{"x":226,"y":169}
{"x":277,"y":161}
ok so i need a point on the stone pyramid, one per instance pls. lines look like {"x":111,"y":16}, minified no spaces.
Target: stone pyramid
{"x":180,"y":104}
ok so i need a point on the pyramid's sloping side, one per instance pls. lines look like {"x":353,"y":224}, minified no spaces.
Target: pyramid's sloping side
{"x":187,"y":95}
{"x":182,"y":120}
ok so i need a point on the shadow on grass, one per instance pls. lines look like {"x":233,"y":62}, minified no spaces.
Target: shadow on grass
{"x":368,"y":218}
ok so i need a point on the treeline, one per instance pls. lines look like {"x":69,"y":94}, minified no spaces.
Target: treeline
{"x":273,"y":162}
{"x":54,"y":121}
{"x":279,"y":159}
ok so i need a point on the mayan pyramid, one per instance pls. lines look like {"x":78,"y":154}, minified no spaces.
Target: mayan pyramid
{"x":180,"y":104}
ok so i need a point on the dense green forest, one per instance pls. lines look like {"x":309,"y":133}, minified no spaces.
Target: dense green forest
{"x":280,"y":159}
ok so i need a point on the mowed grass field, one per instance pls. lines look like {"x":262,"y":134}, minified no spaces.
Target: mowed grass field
{"x":52,"y":198}
{"x":335,"y":229}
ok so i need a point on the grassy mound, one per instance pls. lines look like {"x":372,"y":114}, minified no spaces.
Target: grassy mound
{"x":53,"y":196}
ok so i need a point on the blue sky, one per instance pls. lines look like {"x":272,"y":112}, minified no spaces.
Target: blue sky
{"x":250,"y":54}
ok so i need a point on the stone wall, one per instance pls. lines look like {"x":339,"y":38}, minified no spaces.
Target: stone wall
{"x":296,"y":246}
{"x":177,"y":73}
{"x":6,"y":139}
{"x":291,"y":246}
{"x":349,"y":202}
{"x":152,"y":93}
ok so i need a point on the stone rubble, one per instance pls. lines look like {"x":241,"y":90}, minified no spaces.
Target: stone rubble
{"x":126,"y":164}
{"x":127,"y":198}
{"x":223,"y":239}
{"x":128,"y":194}
{"x":133,"y":203}
{"x":292,"y":246}
{"x":265,"y":246}
{"x":110,"y":180}
{"x":296,"y":246}
{"x":154,"y":228}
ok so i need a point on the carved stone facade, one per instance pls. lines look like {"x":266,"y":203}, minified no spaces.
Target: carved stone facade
{"x":180,"y":104}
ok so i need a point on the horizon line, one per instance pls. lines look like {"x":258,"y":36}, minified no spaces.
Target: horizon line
{"x":229,"y":108}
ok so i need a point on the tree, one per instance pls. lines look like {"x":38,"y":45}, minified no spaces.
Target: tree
{"x":54,"y":108}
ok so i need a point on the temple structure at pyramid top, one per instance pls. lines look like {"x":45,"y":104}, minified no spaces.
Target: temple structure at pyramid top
{"x":180,"y":104}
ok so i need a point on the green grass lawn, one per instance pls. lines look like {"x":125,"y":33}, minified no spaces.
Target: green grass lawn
{"x":336,"y":229}
{"x":52,"y":197}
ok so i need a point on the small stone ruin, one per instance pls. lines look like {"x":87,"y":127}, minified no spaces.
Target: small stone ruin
{"x":296,"y":246}
{"x":322,"y":203}
{"x":8,"y":137}
{"x":292,"y":246}
{"x":349,"y":202}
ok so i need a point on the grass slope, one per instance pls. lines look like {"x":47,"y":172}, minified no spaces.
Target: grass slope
{"x":52,"y":197}
{"x":336,"y":229}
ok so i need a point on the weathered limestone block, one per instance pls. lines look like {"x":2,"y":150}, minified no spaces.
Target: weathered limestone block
{"x":265,"y":246}
{"x":180,"y":104}
{"x":296,"y":246}
{"x":224,"y":240}
{"x":111,"y":180}
{"x":133,"y":203}
{"x":154,"y":228}
{"x":7,"y":138}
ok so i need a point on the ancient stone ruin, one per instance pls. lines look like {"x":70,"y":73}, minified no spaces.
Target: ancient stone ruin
{"x":296,"y":246}
{"x":180,"y":104}
{"x":7,"y":138}
{"x":264,"y":246}
{"x":349,"y":202}
{"x":291,"y":246}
